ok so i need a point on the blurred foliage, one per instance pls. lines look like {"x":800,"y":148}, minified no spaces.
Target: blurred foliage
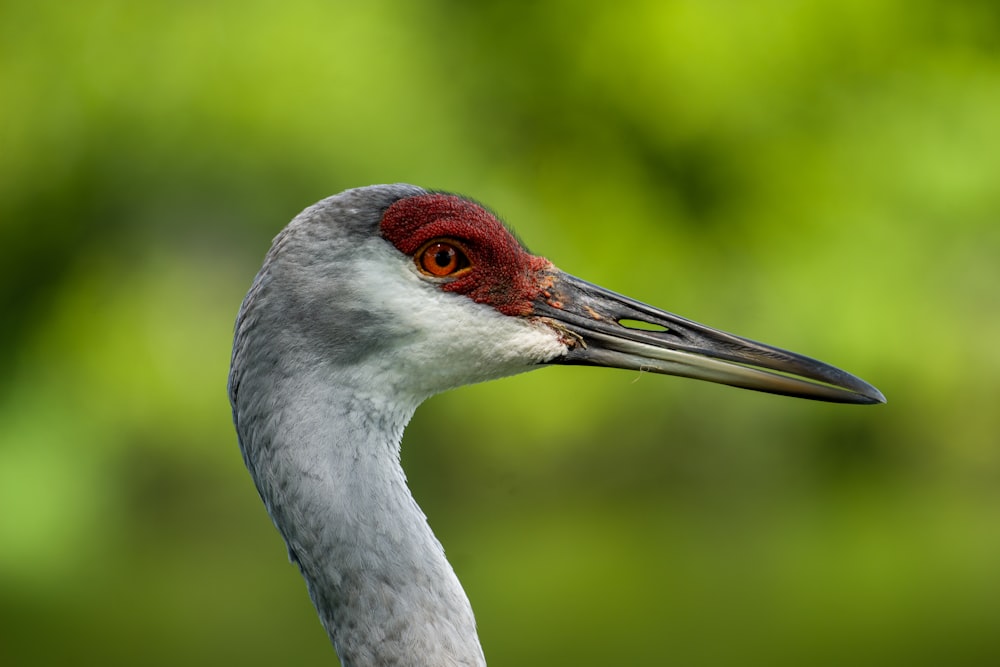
{"x":822,"y":175}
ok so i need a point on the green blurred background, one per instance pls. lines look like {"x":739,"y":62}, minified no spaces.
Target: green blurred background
{"x":823,"y":175}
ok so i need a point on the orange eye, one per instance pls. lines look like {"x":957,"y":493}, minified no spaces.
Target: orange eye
{"x":441,"y":259}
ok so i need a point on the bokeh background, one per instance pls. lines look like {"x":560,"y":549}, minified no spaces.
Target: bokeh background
{"x":823,"y":175}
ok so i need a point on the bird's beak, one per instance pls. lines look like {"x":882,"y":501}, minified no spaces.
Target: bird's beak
{"x":602,"y":328}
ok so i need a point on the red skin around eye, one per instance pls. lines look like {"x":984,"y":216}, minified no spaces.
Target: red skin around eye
{"x":502,"y":273}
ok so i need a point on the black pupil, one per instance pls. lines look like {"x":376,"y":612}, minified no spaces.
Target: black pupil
{"x":443,"y":257}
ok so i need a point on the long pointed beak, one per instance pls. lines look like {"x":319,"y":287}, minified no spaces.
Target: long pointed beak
{"x":603,"y":328}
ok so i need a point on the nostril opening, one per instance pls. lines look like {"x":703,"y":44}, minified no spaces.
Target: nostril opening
{"x":643,"y":326}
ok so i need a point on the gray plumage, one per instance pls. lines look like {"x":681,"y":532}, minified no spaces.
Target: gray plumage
{"x":342,"y":335}
{"x":316,"y":448}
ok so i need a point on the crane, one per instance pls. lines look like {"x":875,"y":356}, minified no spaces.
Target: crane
{"x":371,"y":301}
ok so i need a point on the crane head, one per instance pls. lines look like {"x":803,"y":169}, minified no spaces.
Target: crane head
{"x":433,"y":291}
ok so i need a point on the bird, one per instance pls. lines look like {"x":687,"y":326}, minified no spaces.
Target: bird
{"x":369,"y":302}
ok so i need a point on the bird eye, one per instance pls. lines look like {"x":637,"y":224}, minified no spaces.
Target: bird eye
{"x":441,"y":259}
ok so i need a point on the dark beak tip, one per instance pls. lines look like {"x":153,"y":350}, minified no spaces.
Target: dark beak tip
{"x":876,"y":397}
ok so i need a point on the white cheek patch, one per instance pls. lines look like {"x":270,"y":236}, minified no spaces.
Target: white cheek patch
{"x":445,"y":339}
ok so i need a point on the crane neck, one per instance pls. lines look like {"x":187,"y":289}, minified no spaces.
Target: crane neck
{"x":326,"y":462}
